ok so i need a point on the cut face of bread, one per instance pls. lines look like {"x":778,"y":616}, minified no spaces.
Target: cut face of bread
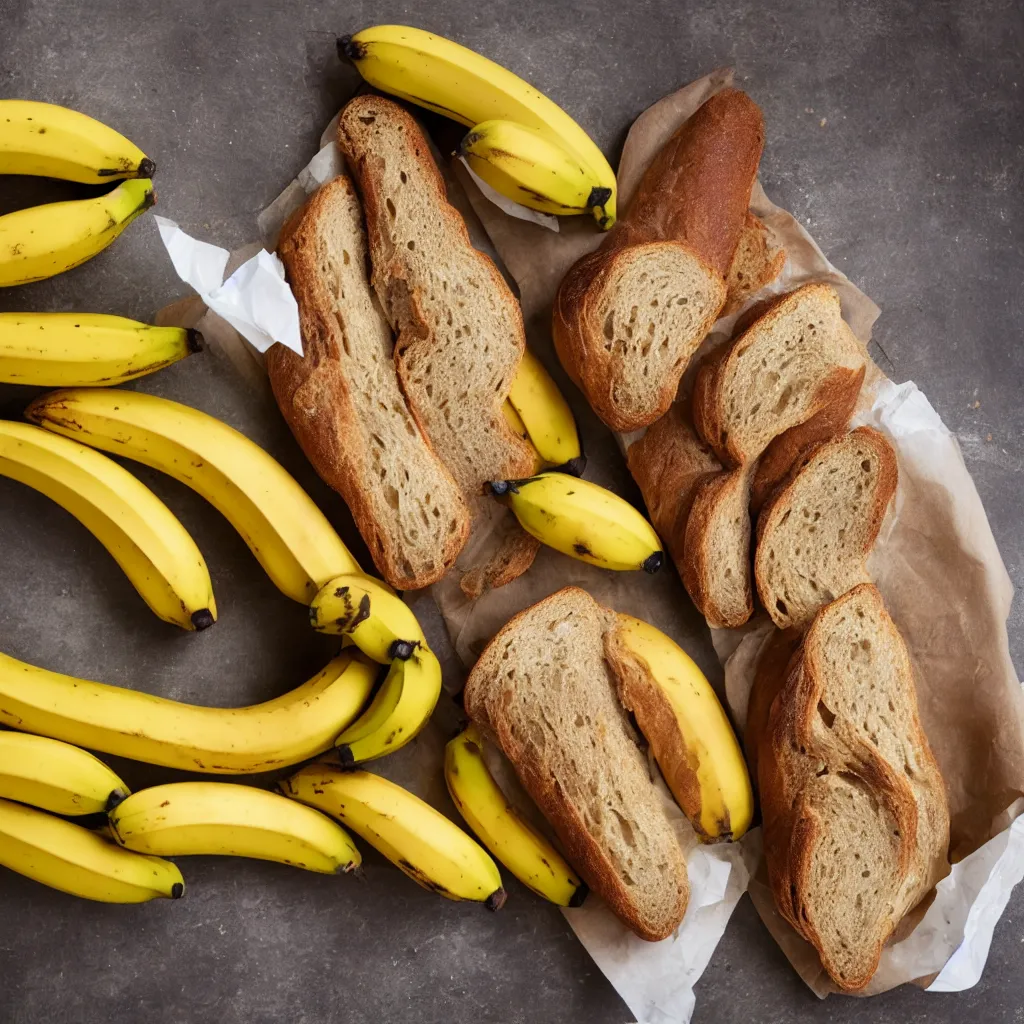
{"x":756,"y":262}
{"x":816,"y":533}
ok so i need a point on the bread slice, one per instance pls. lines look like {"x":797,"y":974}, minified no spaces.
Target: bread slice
{"x":758,"y":260}
{"x":770,"y":675}
{"x":814,"y":537}
{"x":544,"y":691}
{"x":785,"y":368}
{"x":343,"y":403}
{"x":856,"y":824}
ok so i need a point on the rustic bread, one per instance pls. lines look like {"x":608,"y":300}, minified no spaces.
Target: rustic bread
{"x":544,"y":691}
{"x":770,"y":674}
{"x":856,"y":824}
{"x":814,"y":536}
{"x":758,"y":260}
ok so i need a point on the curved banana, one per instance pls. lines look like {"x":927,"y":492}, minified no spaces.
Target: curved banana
{"x":146,"y":539}
{"x":221,"y":818}
{"x":56,"y":776}
{"x":288,"y":534}
{"x":422,"y":842}
{"x":402,"y":706}
{"x":225,"y":741}
{"x":520,"y":847}
{"x":88,"y":349}
{"x":513,"y":419}
{"x":721,"y":804}
{"x":582,"y":520}
{"x":43,"y":241}
{"x":55,"y":142}
{"x":451,"y":80}
{"x":546,"y":416}
{"x":75,"y":860}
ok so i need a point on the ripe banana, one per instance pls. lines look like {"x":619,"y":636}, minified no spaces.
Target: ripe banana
{"x":720,"y":803}
{"x":149,"y":543}
{"x":288,"y":534}
{"x":88,"y":349}
{"x":546,"y":416}
{"x":582,"y":520}
{"x":402,"y":706}
{"x":519,"y":846}
{"x":422,"y":842}
{"x":225,"y":741}
{"x":219,"y":818}
{"x":42,"y":241}
{"x":55,"y":142}
{"x":513,"y":419}
{"x":75,"y":860}
{"x":56,"y":776}
{"x":441,"y":75}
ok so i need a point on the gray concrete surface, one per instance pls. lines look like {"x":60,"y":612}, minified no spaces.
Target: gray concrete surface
{"x":896,"y":134}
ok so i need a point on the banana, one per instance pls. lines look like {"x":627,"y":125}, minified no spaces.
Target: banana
{"x":288,"y":534}
{"x":89,"y":349}
{"x":721,"y":805}
{"x":55,"y":142}
{"x":42,"y":241}
{"x":546,"y":416}
{"x":520,"y":847}
{"x":224,"y":741}
{"x":422,"y":842}
{"x":513,"y":419}
{"x":582,"y":520}
{"x":75,"y":860}
{"x":146,"y":539}
{"x":220,"y":818}
{"x":56,"y":776}
{"x":441,"y":75}
{"x":402,"y":706}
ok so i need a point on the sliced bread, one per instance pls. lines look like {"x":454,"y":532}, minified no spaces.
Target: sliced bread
{"x":758,"y":260}
{"x":770,"y":676}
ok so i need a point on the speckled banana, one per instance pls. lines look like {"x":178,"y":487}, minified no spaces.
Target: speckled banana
{"x":221,"y":818}
{"x":546,"y":417}
{"x":582,"y":520}
{"x":226,"y":741}
{"x":441,"y":75}
{"x":422,"y":842}
{"x":76,"y":860}
{"x":288,"y":534}
{"x":497,"y":824}
{"x":144,"y":536}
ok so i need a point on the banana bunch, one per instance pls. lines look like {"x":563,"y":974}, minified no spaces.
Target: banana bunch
{"x":582,"y":520}
{"x":149,"y":543}
{"x":537,"y":410}
{"x":433,"y":72}
{"x":422,"y":842}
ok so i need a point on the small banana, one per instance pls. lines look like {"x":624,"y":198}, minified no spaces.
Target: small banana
{"x":510,"y":837}
{"x":422,"y":842}
{"x":87,"y":349}
{"x":582,"y":520}
{"x":42,"y":241}
{"x":513,"y":419}
{"x":81,"y":862}
{"x":55,"y":142}
{"x":288,"y":534}
{"x":402,"y":706}
{"x":221,"y":818}
{"x":546,"y":417}
{"x":56,"y":776}
{"x":144,"y":536}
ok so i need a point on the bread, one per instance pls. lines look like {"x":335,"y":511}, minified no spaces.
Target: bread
{"x":343,"y":403}
{"x":814,"y":536}
{"x":758,"y":260}
{"x":791,"y":363}
{"x":856,"y":824}
{"x":544,"y":691}
{"x":769,"y":676}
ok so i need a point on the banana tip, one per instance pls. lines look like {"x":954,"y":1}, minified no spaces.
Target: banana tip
{"x":402,"y":650}
{"x":653,"y":563}
{"x":350,"y":49}
{"x":499,"y":487}
{"x":177,"y":890}
{"x":202,"y":619}
{"x":581,"y":893}
{"x":345,"y":756}
{"x":194,"y":341}
{"x":147,"y":168}
{"x":116,"y":796}
{"x":574,"y":467}
{"x":496,"y":900}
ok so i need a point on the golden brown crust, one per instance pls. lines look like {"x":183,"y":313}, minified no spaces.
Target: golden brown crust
{"x":769,"y":677}
{"x":757,"y":262}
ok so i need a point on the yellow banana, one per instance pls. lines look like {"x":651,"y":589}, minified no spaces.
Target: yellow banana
{"x":55,"y":142}
{"x":149,"y":543}
{"x":441,"y":75}
{"x":76,"y":860}
{"x":422,"y":842}
{"x":582,"y":520}
{"x":41,"y":241}
{"x":220,"y":818}
{"x":288,"y":534}
{"x":513,"y":419}
{"x":512,"y":839}
{"x":546,"y":416}
{"x":225,"y":741}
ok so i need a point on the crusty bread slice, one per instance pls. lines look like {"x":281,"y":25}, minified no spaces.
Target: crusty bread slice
{"x":343,"y":403}
{"x":856,"y":824}
{"x":814,"y":536}
{"x":757,"y":261}
{"x":544,"y":691}
{"x":770,"y":676}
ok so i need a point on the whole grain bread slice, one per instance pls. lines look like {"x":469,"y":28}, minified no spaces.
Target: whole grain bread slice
{"x":758,"y":260}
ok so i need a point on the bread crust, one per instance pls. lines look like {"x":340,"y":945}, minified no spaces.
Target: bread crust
{"x":770,"y":675}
